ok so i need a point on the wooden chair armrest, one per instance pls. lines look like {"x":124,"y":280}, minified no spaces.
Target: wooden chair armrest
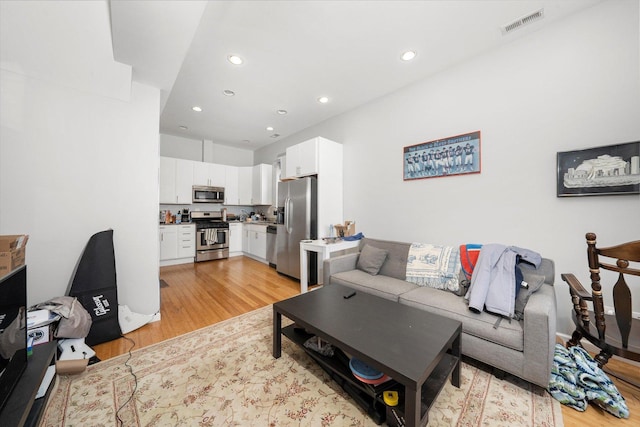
{"x":576,"y":286}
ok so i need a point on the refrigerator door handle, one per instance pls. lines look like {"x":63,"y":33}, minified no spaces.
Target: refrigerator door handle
{"x":289,"y":215}
{"x":286,"y":214}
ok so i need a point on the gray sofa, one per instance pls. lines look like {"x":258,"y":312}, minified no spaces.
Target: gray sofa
{"x":523,"y":348}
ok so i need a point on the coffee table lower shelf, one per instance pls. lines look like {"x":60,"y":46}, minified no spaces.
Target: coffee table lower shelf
{"x":369,"y":397}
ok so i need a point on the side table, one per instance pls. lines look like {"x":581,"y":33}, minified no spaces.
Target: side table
{"x":324,"y":251}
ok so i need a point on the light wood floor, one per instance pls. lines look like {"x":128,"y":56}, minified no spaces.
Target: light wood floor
{"x":201,"y":294}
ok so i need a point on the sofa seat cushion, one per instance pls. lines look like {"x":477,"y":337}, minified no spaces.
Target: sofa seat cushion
{"x":508,"y":334}
{"x":382,"y":286}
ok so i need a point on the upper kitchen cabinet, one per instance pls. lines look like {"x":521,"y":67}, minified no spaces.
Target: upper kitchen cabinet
{"x":302,"y":159}
{"x":245,"y":179}
{"x":210,"y":174}
{"x":312,"y":157}
{"x":176,"y":180}
{"x":231,"y":190}
{"x":262,"y":185}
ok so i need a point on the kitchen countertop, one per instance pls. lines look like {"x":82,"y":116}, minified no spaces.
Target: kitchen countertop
{"x":266,"y":222}
{"x":230,"y":222}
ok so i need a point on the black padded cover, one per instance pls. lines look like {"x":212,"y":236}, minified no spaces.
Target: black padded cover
{"x":95,"y":286}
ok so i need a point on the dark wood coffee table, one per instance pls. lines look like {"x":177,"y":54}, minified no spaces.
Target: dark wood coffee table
{"x":410,"y":345}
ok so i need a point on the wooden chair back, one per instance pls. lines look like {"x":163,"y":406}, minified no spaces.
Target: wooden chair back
{"x":617,"y":259}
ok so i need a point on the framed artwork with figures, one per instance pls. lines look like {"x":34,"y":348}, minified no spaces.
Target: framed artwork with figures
{"x":454,"y":155}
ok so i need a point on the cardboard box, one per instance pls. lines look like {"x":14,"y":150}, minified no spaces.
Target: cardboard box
{"x":12,"y":252}
{"x":41,"y":335}
{"x":348,"y":229}
{"x":37,"y":318}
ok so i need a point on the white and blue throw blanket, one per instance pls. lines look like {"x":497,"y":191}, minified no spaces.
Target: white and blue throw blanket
{"x":434,"y":266}
{"x":576,"y":380}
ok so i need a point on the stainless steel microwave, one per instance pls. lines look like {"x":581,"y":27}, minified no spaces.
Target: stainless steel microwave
{"x":204,"y":194}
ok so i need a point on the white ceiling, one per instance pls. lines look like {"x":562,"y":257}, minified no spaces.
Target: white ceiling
{"x":297,"y":51}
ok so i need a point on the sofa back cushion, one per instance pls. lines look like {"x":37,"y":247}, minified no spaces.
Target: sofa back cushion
{"x":371,"y":259}
{"x":395,"y":264}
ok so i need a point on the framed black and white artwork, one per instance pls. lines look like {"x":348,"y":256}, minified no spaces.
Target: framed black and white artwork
{"x":606,"y":170}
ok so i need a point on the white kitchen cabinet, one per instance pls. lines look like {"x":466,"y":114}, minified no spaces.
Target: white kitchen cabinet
{"x":262,"y":185}
{"x":258,"y":245}
{"x":176,"y":180}
{"x":231,"y":192}
{"x":245,"y":180}
{"x":302,"y":159}
{"x":245,"y":239}
{"x":168,"y":242}
{"x":186,"y":240}
{"x":235,"y":239}
{"x":177,"y":244}
{"x":254,"y":241}
{"x":167,"y":180}
{"x":184,"y":181}
{"x":210,"y":174}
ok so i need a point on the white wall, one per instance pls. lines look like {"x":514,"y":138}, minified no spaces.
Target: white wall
{"x":78,"y":149}
{"x":570,"y":86}
{"x":207,"y":151}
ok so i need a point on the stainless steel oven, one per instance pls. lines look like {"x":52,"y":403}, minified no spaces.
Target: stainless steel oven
{"x":212,"y":236}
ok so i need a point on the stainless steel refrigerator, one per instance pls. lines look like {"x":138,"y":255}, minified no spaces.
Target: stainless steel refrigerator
{"x":297,"y":220}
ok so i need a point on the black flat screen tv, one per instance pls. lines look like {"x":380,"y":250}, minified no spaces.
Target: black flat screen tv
{"x":13,"y":331}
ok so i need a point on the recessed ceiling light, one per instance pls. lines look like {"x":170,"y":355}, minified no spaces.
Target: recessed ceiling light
{"x":235,"y":59}
{"x":408,"y":55}
{"x":323,"y":100}
{"x":196,"y":108}
{"x":183,"y":127}
{"x":282,"y":112}
{"x":269,"y":128}
{"x":228,"y":92}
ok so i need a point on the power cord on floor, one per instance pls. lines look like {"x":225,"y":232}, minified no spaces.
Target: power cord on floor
{"x":135,"y":380}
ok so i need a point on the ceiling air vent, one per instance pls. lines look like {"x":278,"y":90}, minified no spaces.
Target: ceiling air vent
{"x":525,"y":20}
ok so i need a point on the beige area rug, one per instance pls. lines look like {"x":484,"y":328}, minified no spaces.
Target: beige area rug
{"x":224,"y":375}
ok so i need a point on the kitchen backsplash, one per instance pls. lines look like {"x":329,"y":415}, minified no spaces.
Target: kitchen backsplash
{"x":236,"y":210}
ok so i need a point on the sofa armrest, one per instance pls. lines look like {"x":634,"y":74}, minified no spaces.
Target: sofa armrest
{"x":540,"y":334}
{"x":337,"y":265}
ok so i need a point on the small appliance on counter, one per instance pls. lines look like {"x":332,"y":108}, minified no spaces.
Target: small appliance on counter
{"x":185,"y":215}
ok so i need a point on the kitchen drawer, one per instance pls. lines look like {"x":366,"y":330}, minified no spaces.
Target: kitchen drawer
{"x":186,"y":241}
{"x":187,"y":230}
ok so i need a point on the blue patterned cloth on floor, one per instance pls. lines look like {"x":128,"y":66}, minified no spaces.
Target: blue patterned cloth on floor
{"x":576,"y":379}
